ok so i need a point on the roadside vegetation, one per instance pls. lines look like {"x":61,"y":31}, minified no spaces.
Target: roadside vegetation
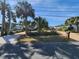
{"x":38,"y":27}
{"x":74,"y":21}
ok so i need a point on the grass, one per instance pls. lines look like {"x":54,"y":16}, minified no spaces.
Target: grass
{"x":44,"y":37}
{"x":29,"y":39}
{"x":42,"y":33}
{"x":51,"y":38}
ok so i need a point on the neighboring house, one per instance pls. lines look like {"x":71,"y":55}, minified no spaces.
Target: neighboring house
{"x":75,"y":28}
{"x":18,"y":27}
{"x":52,"y":28}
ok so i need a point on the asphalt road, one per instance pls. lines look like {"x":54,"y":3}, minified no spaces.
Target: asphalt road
{"x":57,"y":50}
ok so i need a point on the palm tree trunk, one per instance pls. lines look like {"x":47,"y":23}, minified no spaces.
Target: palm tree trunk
{"x":26,"y":30}
{"x":3,"y":19}
{"x":3,"y":23}
{"x":9,"y":23}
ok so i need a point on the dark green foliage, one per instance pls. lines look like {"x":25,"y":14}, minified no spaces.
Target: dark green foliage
{"x":42,"y":33}
{"x":73,"y":21}
{"x":41,"y":23}
{"x":23,"y":10}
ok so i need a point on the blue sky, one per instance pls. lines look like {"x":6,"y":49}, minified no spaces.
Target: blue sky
{"x":55,"y":11}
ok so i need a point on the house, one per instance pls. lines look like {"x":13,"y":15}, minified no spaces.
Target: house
{"x":75,"y":28}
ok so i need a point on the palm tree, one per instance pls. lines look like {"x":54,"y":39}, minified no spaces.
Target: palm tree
{"x":7,"y":14}
{"x":4,"y":8}
{"x":41,"y":23}
{"x":45,"y":23}
{"x":23,"y":10}
{"x":2,"y":5}
{"x":38,"y":20}
{"x":10,"y":16}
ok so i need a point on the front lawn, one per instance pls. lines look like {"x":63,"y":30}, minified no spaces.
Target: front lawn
{"x":44,"y":37}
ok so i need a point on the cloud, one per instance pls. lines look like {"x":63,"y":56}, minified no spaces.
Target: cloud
{"x":34,"y":2}
{"x":55,"y":5}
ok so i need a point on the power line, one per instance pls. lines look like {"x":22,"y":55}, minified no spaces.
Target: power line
{"x":55,"y":2}
{"x":51,"y":7}
{"x":55,"y":15}
{"x":45,"y":1}
{"x":53,"y":11}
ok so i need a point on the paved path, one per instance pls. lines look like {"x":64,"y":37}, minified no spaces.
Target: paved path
{"x":74,"y":36}
{"x":9,"y":39}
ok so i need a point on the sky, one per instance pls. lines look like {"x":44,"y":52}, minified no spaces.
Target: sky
{"x":55,"y":11}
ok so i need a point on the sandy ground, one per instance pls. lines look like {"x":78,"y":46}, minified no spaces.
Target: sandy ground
{"x":74,"y":36}
{"x":20,"y":33}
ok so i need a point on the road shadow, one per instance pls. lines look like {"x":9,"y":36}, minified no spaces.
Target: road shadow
{"x":18,"y":51}
{"x":58,"y":50}
{"x":54,"y":46}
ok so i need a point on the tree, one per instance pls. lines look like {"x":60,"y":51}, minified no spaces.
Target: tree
{"x":41,"y":23}
{"x":9,"y":15}
{"x":73,"y":20}
{"x":45,"y":24}
{"x":2,"y":8}
{"x":70,"y":21}
{"x":23,"y":10}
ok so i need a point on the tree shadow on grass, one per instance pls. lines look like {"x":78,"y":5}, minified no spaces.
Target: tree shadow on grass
{"x":52,"y":38}
{"x":42,"y":33}
{"x":19,"y":51}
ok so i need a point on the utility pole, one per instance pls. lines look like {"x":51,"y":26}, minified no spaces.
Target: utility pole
{"x":3,"y":18}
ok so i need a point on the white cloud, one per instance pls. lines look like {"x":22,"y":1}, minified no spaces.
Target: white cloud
{"x":34,"y":2}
